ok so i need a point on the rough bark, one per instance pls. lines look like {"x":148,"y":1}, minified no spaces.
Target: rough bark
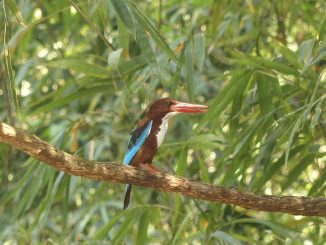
{"x":116,"y":172}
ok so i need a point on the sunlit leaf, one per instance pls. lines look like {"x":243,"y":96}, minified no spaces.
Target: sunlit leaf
{"x":180,"y":230}
{"x":223,"y":236}
{"x":297,"y":170}
{"x":189,"y":70}
{"x":81,"y":93}
{"x":199,"y":50}
{"x":125,"y":15}
{"x":146,"y":24}
{"x":15,"y":10}
{"x":114,"y":58}
{"x":81,"y":66}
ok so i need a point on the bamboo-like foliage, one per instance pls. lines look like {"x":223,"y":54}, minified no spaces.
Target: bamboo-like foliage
{"x":80,"y":73}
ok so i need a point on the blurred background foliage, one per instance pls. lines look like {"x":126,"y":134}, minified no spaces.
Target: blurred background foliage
{"x":80,"y":73}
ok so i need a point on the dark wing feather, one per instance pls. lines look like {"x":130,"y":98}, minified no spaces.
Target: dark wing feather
{"x":137,"y":139}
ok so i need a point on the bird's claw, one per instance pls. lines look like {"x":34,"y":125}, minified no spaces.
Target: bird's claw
{"x":149,"y":168}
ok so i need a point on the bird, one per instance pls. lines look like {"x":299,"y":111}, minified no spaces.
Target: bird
{"x":149,"y":134}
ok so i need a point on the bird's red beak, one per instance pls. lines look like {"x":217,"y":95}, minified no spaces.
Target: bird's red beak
{"x":188,"y":108}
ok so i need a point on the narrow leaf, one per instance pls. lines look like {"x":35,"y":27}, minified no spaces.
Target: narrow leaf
{"x":189,"y":71}
{"x":148,"y":26}
{"x":82,"y":67}
{"x":15,"y":10}
{"x":297,"y":171}
{"x":199,"y":50}
{"x":228,"y":239}
{"x":124,"y":14}
{"x":80,"y":93}
{"x":114,"y":58}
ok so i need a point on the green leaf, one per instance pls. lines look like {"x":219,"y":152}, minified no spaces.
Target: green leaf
{"x":316,"y":116}
{"x":80,"y":93}
{"x":124,"y":227}
{"x":127,"y":11}
{"x":197,"y":142}
{"x":303,"y":117}
{"x":81,"y":66}
{"x":144,"y":221}
{"x":124,"y":14}
{"x":44,"y":208}
{"x":128,"y":67}
{"x":275,"y":168}
{"x":181,"y":163}
{"x":280,"y":229}
{"x":290,"y":56}
{"x":265,"y":96}
{"x":234,"y":87}
{"x":86,"y":218}
{"x":318,"y":186}
{"x":265,"y":155}
{"x":180,"y":230}
{"x":199,"y":50}
{"x":29,"y":195}
{"x":159,"y":40}
{"x":297,"y":170}
{"x":262,"y":63}
{"x":114,"y":58}
{"x":123,"y":34}
{"x":146,"y":50}
{"x":65,"y":207}
{"x":224,"y":26}
{"x":305,"y":51}
{"x":9,"y":89}
{"x":103,"y":231}
{"x":204,"y":141}
{"x":189,"y":71}
{"x":15,"y":10}
{"x":225,"y":237}
{"x":240,"y":149}
{"x":20,"y":184}
{"x":176,"y":209}
{"x":203,"y":171}
{"x":235,"y":113}
{"x":295,"y":129}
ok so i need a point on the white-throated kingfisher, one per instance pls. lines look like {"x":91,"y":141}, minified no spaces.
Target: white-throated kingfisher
{"x":150,"y":132}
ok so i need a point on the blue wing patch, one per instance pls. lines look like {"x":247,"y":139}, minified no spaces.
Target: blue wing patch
{"x":137,"y":139}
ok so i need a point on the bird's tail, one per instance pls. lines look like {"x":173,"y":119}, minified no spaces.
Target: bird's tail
{"x":127,"y":196}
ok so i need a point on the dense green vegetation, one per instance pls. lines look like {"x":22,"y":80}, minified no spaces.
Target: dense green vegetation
{"x":79,"y":74}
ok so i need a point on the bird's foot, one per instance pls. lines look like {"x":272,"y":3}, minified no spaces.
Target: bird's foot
{"x":149,"y":168}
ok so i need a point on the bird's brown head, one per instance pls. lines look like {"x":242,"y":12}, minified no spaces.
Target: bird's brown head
{"x":165,"y":106}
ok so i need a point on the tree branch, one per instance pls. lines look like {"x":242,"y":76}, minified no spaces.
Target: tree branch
{"x":116,"y":172}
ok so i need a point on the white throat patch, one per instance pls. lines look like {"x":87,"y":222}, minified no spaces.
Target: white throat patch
{"x":164,"y":128}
